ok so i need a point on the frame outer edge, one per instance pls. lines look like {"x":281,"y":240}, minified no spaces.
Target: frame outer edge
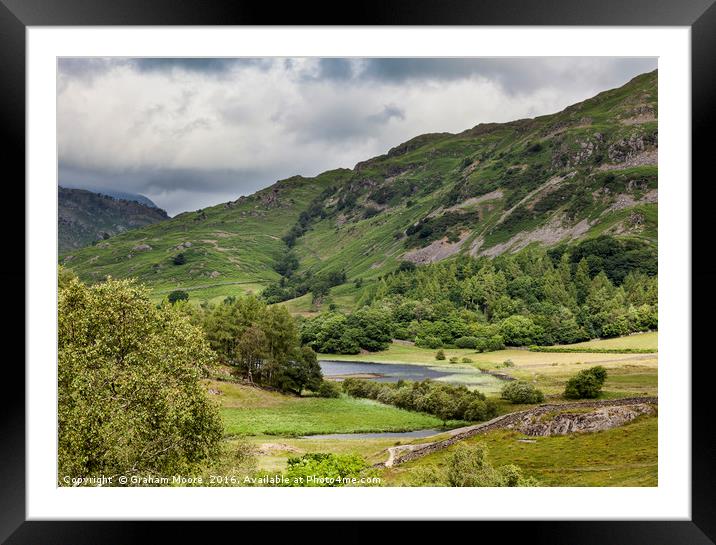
{"x":12,"y":129}
{"x":703,"y":119}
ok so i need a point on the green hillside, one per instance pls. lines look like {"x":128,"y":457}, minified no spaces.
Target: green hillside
{"x":583,"y":172}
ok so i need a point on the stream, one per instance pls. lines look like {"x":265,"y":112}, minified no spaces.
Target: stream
{"x":415,"y":434}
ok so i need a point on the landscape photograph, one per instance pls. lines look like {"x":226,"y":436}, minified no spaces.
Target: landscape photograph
{"x":357,"y":272}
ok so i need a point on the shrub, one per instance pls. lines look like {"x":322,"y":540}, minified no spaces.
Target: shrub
{"x":328,"y":389}
{"x":440,"y":354}
{"x":442,"y":400}
{"x":470,"y":466}
{"x":370,"y":212}
{"x":508,"y":363}
{"x":480,"y":409}
{"x":454,"y":359}
{"x":428,"y":342}
{"x":587,"y":384}
{"x":466,"y":342}
{"x":325,"y":469}
{"x":466,"y":360}
{"x":521,"y":392}
{"x":177,"y":295}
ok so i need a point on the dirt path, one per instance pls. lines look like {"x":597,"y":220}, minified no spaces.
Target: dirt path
{"x":403,"y":453}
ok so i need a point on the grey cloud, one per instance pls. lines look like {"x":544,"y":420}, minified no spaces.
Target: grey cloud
{"x":338,"y":123}
{"x":201,"y":65}
{"x":92,"y":66}
{"x":331,"y":69}
{"x":390,"y":111}
{"x":514,"y":74}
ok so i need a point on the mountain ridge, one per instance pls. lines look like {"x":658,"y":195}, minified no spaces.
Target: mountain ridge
{"x":588,"y":170}
{"x":85,"y":217}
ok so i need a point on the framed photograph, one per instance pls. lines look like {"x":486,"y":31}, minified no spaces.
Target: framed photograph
{"x":427,"y":264}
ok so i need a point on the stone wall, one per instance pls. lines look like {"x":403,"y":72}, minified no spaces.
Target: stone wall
{"x":405,"y":453}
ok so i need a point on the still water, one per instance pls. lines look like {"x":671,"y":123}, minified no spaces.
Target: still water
{"x":393,"y":372}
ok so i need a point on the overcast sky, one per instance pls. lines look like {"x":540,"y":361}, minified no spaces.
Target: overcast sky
{"x":189,"y":133}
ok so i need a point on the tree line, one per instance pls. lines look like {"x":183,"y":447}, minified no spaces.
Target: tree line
{"x":535,"y":297}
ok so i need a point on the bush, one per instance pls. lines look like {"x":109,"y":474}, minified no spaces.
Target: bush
{"x":479,"y":410}
{"x":454,"y":359}
{"x":325,"y":469}
{"x":470,"y":466}
{"x":466,"y":360}
{"x":370,"y":212}
{"x":587,"y":384}
{"x":521,"y":392}
{"x":428,"y":342}
{"x":328,"y":389}
{"x":178,"y":295}
{"x":466,"y":342}
{"x":442,"y":400}
{"x":508,"y":363}
{"x":440,"y":354}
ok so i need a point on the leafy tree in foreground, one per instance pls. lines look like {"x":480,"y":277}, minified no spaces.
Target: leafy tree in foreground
{"x":130,"y":399}
{"x":587,"y":384}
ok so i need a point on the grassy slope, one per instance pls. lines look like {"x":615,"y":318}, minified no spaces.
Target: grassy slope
{"x":240,"y":242}
{"x":251,"y":411}
{"x":624,"y":456}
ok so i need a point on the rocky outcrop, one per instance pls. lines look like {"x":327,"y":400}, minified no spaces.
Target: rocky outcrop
{"x":625,"y":149}
{"x":563,"y":423}
{"x":436,"y":251}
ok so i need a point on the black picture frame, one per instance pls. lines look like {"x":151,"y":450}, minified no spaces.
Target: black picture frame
{"x":699,"y":15}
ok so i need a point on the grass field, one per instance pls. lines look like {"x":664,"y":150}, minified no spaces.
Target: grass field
{"x":251,"y":411}
{"x":624,"y":456}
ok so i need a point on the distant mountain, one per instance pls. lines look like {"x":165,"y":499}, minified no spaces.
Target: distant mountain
{"x":122,"y":195}
{"x":496,"y":188}
{"x":85,"y":217}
